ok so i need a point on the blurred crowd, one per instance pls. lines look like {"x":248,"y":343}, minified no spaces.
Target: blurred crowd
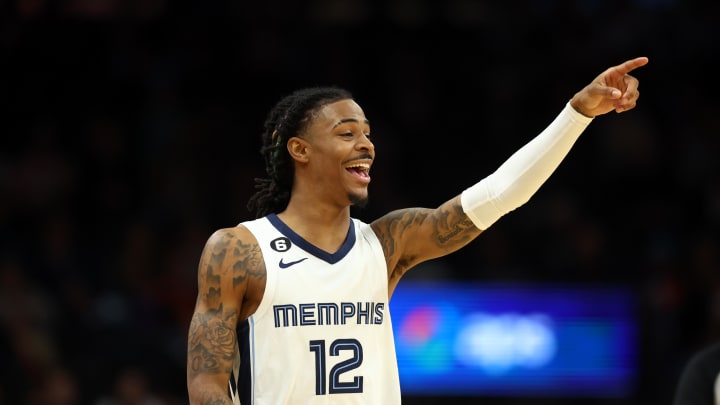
{"x":130,"y":132}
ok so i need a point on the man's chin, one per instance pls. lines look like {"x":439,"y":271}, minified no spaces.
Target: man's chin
{"x":358,"y":201}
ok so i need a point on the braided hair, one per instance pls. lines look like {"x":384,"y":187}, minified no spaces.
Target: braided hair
{"x":288,"y":118}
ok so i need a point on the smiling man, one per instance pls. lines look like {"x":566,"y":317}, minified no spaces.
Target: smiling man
{"x":292,"y":307}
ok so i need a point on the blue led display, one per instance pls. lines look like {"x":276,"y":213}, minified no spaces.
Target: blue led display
{"x":515,"y":340}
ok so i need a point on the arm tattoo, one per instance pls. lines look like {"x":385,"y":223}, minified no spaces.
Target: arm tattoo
{"x":210,"y":285}
{"x":454,"y":228}
{"x":211,"y":342}
{"x":211,"y":339}
{"x":413,"y":235}
{"x":395,"y":227}
{"x":248,"y":262}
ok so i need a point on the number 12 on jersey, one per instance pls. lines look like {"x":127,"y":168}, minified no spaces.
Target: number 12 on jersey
{"x":322,"y":377}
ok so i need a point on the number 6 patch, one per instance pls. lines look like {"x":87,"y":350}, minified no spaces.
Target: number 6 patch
{"x":280,"y":244}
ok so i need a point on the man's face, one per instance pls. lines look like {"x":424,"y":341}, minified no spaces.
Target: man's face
{"x":341,"y":152}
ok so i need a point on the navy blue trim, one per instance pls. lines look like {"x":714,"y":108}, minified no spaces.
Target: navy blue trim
{"x":244,"y":381}
{"x":331,"y":258}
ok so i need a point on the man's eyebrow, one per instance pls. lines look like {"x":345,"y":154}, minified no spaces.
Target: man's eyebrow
{"x":344,"y":120}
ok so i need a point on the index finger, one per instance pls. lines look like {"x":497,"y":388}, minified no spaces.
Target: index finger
{"x":630,"y":65}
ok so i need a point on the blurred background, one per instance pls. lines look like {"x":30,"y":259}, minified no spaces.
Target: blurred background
{"x":130,"y":132}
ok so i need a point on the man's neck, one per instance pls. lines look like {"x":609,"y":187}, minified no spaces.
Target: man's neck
{"x":325,"y":227}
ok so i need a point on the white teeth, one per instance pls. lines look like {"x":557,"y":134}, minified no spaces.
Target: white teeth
{"x":360,"y":165}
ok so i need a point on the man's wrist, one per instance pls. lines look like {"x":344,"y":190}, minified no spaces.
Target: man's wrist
{"x":577,"y":106}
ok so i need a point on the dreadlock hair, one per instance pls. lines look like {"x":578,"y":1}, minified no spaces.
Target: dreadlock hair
{"x":288,"y":118}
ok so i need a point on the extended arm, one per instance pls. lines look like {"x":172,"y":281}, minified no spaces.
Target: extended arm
{"x":414,"y":235}
{"x":512,"y":185}
{"x":516,"y":180}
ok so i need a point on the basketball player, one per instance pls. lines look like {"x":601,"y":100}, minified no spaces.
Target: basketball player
{"x":293,"y":307}
{"x":700,"y":379}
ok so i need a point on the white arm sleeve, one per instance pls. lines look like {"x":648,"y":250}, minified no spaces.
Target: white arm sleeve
{"x":516,"y":180}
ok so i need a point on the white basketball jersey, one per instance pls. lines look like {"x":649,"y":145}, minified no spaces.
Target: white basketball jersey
{"x":322,"y":332}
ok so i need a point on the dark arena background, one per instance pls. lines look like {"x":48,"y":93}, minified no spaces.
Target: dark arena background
{"x":130,"y":132}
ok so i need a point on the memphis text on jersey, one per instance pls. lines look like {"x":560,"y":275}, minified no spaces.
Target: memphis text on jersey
{"x":330,"y":313}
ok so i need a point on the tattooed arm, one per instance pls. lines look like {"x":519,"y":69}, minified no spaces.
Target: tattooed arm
{"x":413,"y":235}
{"x":230,"y":286}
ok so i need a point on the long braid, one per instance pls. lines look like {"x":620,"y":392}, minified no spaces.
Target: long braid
{"x":287,"y":119}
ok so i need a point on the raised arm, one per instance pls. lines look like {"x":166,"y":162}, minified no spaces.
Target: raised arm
{"x":414,"y":235}
{"x":230,"y":266}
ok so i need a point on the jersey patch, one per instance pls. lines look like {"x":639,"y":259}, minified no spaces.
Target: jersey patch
{"x":281,"y":244}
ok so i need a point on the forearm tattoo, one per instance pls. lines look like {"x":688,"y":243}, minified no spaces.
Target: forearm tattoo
{"x":424,"y":234}
{"x":453,"y":228}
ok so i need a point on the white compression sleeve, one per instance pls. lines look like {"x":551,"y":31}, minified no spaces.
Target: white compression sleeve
{"x":516,"y":180}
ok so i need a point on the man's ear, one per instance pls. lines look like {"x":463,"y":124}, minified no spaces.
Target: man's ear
{"x":299,"y":149}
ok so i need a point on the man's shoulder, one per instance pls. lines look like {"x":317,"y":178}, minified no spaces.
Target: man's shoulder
{"x":239,"y":233}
